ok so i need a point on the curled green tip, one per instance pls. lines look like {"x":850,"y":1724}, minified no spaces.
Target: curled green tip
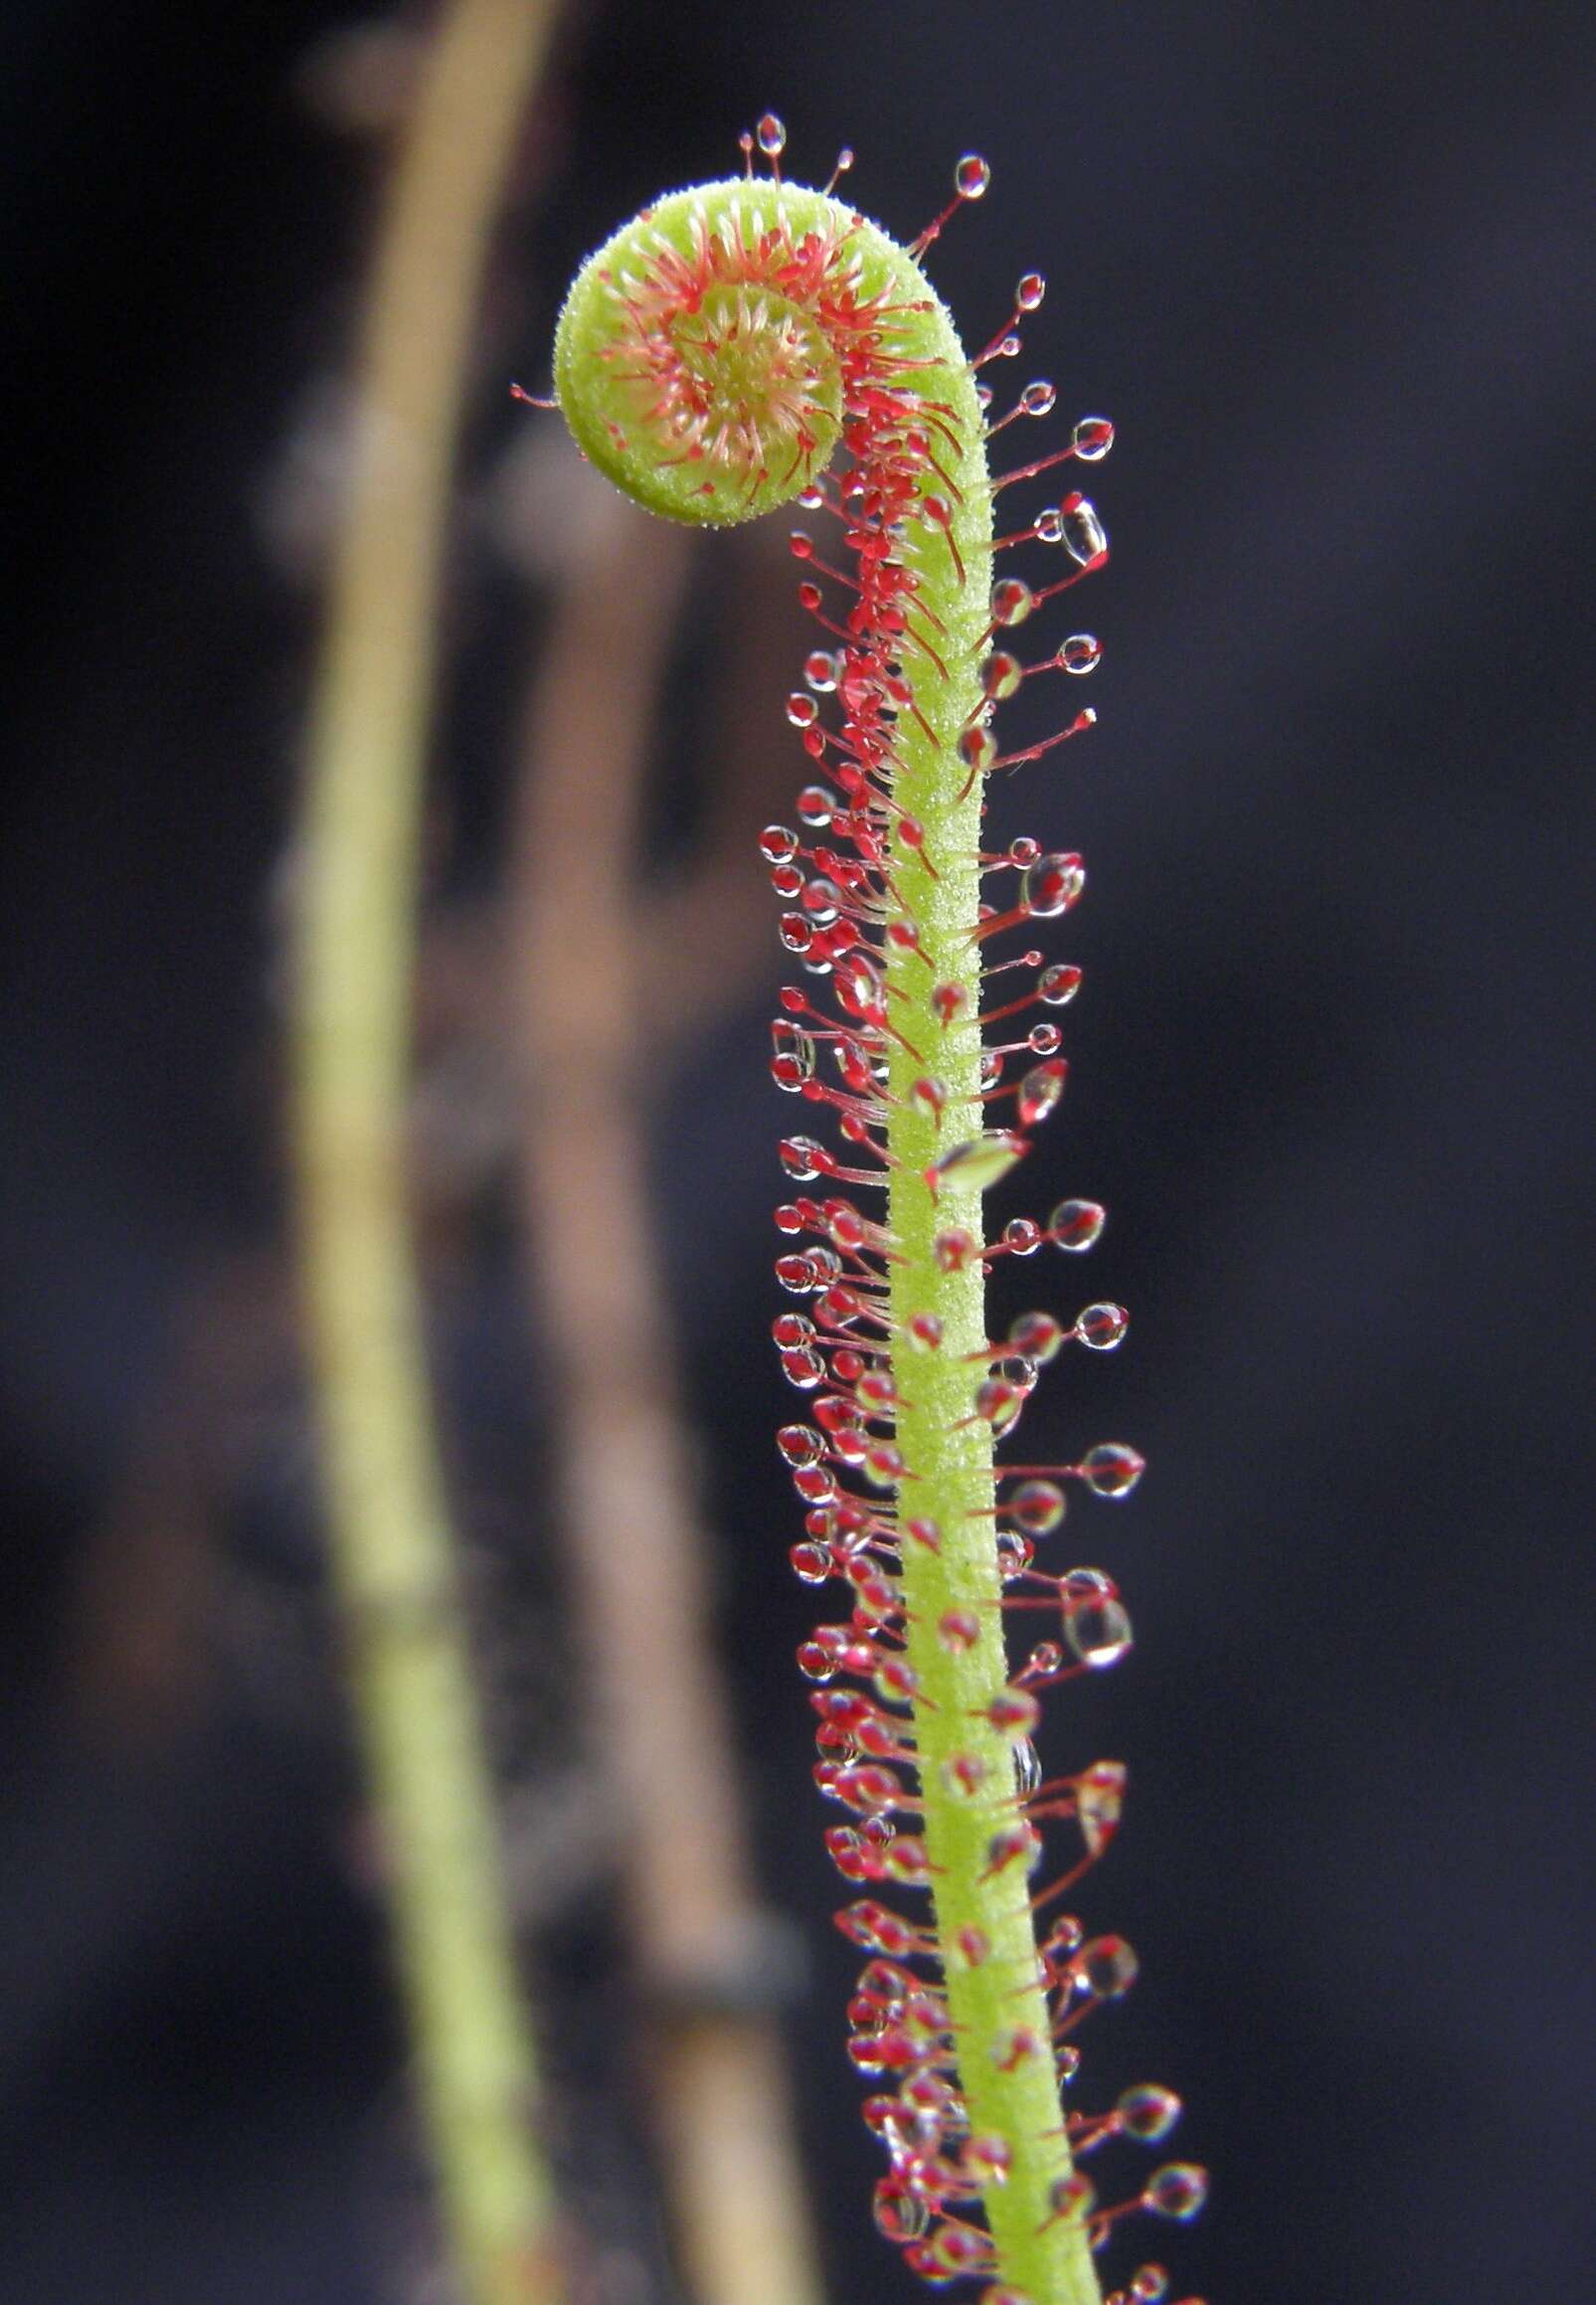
{"x":691,"y":360}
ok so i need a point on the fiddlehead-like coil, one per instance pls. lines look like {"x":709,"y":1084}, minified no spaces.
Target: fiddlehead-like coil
{"x":708,"y":354}
{"x":712,"y":359}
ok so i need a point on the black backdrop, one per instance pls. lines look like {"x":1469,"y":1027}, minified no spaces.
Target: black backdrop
{"x":1331,"y":273}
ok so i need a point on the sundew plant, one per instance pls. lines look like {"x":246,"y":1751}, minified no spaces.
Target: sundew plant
{"x":744,"y":345}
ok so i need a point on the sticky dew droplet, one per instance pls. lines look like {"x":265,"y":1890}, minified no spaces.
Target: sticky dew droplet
{"x":900,"y":2213}
{"x":1015,"y":1554}
{"x":1061,"y":1944}
{"x":957,"y":1631}
{"x":803,"y":1158}
{"x":1098,"y":1628}
{"x":1082,"y":533}
{"x":978,"y":748}
{"x":1072,"y":2196}
{"x":972,"y":177}
{"x":1082,"y":652}
{"x":963,"y":1773}
{"x":1177,"y":2190}
{"x":801,"y":1444}
{"x":1107,"y":1968}
{"x":1001,"y":675}
{"x":979,"y":1162}
{"x":1036,"y":1334}
{"x":1112,"y":1469}
{"x":1037,"y":1506}
{"x":1011,"y":602}
{"x":791,"y":1057}
{"x":1147,"y":2112}
{"x":1039,"y":1094}
{"x":1052,"y":885}
{"x":1076,"y":1224}
{"x":1058,"y":984}
{"x":954,"y":1249}
{"x":999,"y":1403}
{"x":1102,"y":1327}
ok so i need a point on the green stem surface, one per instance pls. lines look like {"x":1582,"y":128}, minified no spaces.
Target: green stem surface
{"x":947,"y":1456}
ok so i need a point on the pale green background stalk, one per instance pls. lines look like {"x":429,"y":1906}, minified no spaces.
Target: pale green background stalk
{"x":393,"y":1556}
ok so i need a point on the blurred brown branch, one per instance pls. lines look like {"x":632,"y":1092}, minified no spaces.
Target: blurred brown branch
{"x":606,"y":982}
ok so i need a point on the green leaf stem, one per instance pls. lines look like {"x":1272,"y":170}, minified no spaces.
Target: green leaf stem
{"x":679,"y":441}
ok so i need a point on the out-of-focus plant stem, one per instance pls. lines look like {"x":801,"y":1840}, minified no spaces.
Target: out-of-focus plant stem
{"x":587,"y":940}
{"x":393,"y":1555}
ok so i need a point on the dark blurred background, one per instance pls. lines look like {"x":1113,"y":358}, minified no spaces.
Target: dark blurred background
{"x":1330,"y":274}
